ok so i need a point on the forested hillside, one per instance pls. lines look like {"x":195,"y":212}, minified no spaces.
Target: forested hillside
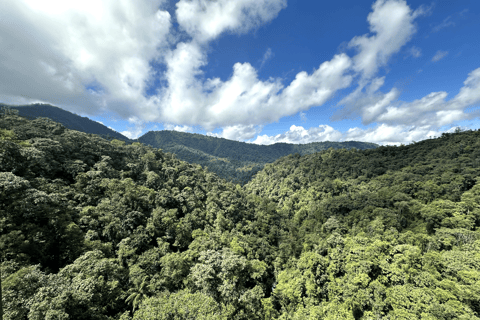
{"x":232,"y":160}
{"x":99,"y":229}
{"x":69,"y":120}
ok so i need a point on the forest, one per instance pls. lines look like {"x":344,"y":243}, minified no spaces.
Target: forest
{"x":234,"y":161}
{"x":68,"y":119}
{"x":231,"y":160}
{"x":93,"y":228}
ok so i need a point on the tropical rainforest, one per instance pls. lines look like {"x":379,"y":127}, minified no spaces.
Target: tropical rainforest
{"x":92,"y":228}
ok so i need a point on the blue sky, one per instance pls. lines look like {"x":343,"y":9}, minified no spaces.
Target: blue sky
{"x":259,"y":71}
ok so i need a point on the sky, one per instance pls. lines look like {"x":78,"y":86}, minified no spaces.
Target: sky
{"x":260,"y":71}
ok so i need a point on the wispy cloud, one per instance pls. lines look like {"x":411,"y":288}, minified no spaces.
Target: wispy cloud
{"x":415,"y":52}
{"x":266,"y":56}
{"x":447,"y":22}
{"x":303,"y":116}
{"x":439,"y":55}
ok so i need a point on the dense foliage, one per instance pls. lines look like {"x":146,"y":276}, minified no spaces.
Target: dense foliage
{"x":98,"y":229}
{"x":232,"y":160}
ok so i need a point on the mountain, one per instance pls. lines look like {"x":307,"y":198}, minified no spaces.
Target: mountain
{"x":100,"y":229}
{"x":233,"y":160}
{"x":68,"y":119}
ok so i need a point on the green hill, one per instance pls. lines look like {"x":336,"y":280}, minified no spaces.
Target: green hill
{"x":232,"y":160}
{"x":68,"y":119}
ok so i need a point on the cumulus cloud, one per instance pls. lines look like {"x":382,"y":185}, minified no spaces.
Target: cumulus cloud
{"x":133,"y":132}
{"x":368,"y":104}
{"x":385,"y":134}
{"x":63,"y":46}
{"x":401,"y":122}
{"x":439,"y":55}
{"x":91,"y":57}
{"x":431,"y":110}
{"x":382,"y":134}
{"x":298,"y":134}
{"x":96,"y":57}
{"x":392,"y":25}
{"x":173,"y":127}
{"x":206,"y":20}
{"x":469,"y":94}
{"x":238,"y":132}
{"x":243,"y":99}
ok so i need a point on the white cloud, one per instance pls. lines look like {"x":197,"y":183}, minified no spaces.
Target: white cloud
{"x":445,"y":23}
{"x":439,"y":55}
{"x":432,"y":110}
{"x":267,"y":56}
{"x":133,"y":133}
{"x":300,"y":135}
{"x":62,"y":46}
{"x":415,"y":52}
{"x":243,"y":99}
{"x":390,"y":134}
{"x":303,"y":116}
{"x":238,"y":132}
{"x":206,"y":20}
{"x":402,"y":122}
{"x":381,"y":134}
{"x":392,"y":23}
{"x":367,"y":105}
{"x":173,"y":127}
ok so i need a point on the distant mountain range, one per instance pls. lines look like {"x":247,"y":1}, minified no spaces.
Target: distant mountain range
{"x":232,"y":160}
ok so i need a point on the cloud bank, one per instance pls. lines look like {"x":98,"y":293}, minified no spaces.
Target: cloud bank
{"x":92,"y":57}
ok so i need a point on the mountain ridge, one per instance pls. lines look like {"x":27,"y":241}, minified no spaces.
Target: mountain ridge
{"x":69,"y":119}
{"x":235,"y":161}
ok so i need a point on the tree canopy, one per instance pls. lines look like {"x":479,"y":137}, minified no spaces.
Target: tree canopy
{"x":93,"y":228}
